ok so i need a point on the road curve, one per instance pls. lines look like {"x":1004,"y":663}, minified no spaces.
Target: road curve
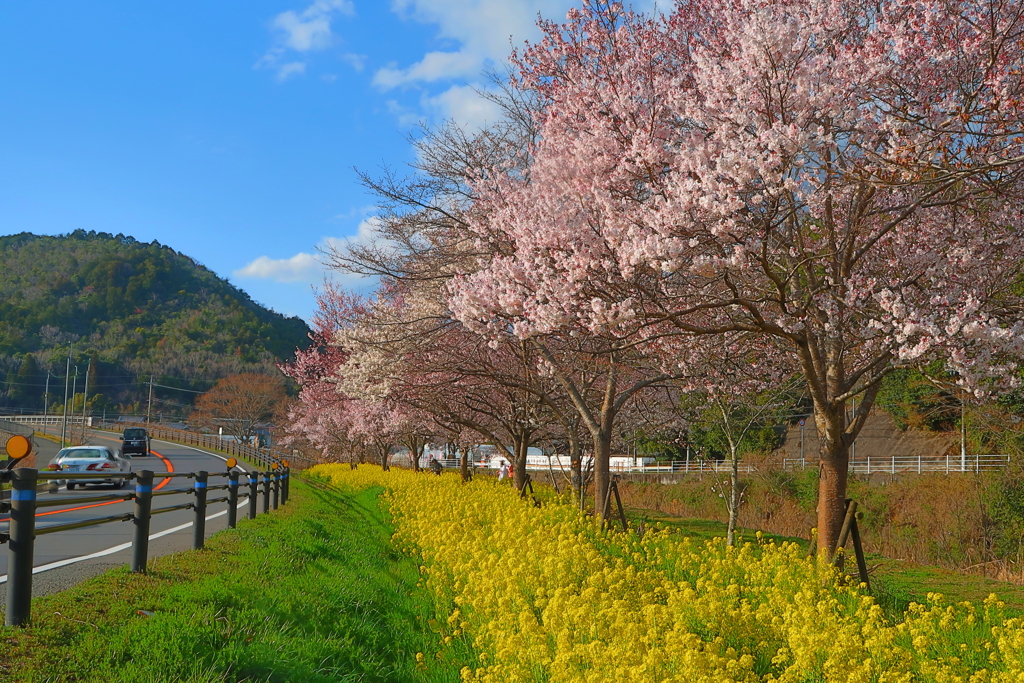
{"x":65,"y":558}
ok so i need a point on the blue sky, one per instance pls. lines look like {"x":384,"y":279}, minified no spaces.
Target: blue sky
{"x":229,"y":130}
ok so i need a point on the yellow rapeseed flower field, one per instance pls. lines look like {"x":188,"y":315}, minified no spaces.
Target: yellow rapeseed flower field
{"x":543,"y":594}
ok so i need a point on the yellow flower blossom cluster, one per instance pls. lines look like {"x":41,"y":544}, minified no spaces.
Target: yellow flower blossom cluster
{"x":545,"y":595}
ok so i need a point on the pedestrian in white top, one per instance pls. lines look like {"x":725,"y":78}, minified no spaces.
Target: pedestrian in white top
{"x":502,"y":472}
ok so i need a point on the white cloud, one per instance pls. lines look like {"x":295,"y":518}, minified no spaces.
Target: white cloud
{"x":406,"y":117}
{"x":311,"y":28}
{"x":434,"y":66}
{"x":302,"y":267}
{"x":485,"y":29}
{"x":464,"y":105}
{"x":302,"y":32}
{"x":308,"y":268}
{"x":357,"y":62}
{"x":366,"y":233}
{"x":286,"y":71}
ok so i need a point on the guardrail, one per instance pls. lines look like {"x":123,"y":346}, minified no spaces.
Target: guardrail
{"x":894,"y":464}
{"x":257,"y":456}
{"x":21,"y":534}
{"x":254,"y":455}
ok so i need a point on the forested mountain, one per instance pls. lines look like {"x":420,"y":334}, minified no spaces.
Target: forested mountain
{"x":134,"y":310}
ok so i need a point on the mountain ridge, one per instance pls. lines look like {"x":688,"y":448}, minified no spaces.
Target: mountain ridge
{"x":131,"y":308}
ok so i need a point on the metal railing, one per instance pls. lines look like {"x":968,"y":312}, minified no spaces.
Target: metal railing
{"x":895,"y":464}
{"x":257,"y":456}
{"x":694,"y":466}
{"x":48,"y":419}
{"x":899,"y":464}
{"x":22,"y":531}
{"x":263,"y":457}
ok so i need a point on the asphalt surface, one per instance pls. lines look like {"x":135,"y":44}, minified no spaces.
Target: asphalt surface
{"x":65,"y":558}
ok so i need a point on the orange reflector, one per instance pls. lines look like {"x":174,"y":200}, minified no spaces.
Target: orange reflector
{"x":232,"y":463}
{"x":18,"y":447}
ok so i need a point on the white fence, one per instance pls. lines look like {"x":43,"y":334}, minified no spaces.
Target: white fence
{"x":908,"y":463}
{"x":897,"y":464}
{"x":684,"y":466}
{"x":48,"y":419}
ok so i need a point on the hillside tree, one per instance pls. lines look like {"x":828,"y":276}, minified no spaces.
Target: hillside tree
{"x":239,"y":403}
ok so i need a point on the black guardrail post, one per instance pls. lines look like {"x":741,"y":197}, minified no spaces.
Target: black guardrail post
{"x":199,"y":527}
{"x":275,"y":493}
{"x":266,"y":492}
{"x":22,"y":539}
{"x":254,"y":492}
{"x":284,"y":486}
{"x":143,"y":504}
{"x":232,"y":498}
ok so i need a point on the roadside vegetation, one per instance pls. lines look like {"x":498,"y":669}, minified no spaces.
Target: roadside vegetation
{"x":313,"y":592}
{"x":543,"y":594}
{"x":969,"y":522}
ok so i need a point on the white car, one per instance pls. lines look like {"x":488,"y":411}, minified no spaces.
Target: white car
{"x":108,"y":465}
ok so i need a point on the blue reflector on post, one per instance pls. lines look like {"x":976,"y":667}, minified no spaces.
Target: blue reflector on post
{"x":27,"y":494}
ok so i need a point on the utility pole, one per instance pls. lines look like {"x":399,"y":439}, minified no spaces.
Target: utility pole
{"x":853,"y":446}
{"x":963,"y":435}
{"x":67,"y":376}
{"x":803,"y":460}
{"x":149,"y":406}
{"x":46,"y":401}
{"x":74,"y":390}
{"x":85,"y":397}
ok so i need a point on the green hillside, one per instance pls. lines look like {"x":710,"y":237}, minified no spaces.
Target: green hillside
{"x":134,"y":309}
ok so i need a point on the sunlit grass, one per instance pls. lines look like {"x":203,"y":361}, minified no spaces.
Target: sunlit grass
{"x":312,"y":592}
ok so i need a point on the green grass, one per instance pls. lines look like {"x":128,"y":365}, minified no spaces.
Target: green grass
{"x":313,"y":592}
{"x":895,"y":583}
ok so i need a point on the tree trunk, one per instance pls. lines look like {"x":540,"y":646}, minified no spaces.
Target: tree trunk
{"x":602,"y":473}
{"x":414,"y":453}
{"x":575,"y":465}
{"x":384,"y":453}
{"x":734,"y":498}
{"x":834,"y":462}
{"x":832,"y":498}
{"x":576,"y":476}
{"x":520,"y":444}
{"x":464,"y":465}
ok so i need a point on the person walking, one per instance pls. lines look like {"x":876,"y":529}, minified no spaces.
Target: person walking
{"x":502,"y":472}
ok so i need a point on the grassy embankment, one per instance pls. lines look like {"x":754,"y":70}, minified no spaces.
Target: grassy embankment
{"x":312,"y":592}
{"x":895,"y":583}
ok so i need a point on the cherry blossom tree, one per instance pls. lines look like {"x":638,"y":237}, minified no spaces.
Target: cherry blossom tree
{"x":404,"y":349}
{"x":322,"y":416}
{"x":830,"y":187}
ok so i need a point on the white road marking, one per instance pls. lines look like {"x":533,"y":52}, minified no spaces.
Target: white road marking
{"x":126,"y":546}
{"x":116,"y":548}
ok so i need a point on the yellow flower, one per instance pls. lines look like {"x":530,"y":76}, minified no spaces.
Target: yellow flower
{"x":544,"y":594}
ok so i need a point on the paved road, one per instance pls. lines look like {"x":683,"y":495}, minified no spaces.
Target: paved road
{"x":65,"y":558}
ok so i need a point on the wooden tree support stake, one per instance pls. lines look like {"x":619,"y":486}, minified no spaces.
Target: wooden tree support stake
{"x":522,"y":491}
{"x":618,"y":502}
{"x":613,"y":487}
{"x":850,"y":531}
{"x":862,"y":565}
